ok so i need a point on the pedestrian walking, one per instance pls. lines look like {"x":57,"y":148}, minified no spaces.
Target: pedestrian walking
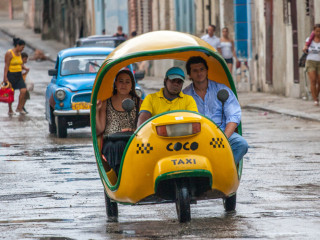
{"x":120,"y":33}
{"x":210,"y":38}
{"x":13,"y":73}
{"x":227,"y":48}
{"x":25,"y":71}
{"x":313,"y":64}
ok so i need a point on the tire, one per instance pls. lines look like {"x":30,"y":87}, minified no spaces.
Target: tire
{"x":52,"y":125}
{"x":61,"y":127}
{"x":52,"y":128}
{"x":229,"y":203}
{"x":183,"y":202}
{"x":111,"y":208}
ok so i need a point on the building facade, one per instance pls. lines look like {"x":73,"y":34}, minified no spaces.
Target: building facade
{"x":280,"y":31}
{"x":269,"y":34}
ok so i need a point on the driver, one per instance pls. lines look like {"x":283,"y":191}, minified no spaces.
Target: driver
{"x":205,"y":94}
{"x":168,"y":98}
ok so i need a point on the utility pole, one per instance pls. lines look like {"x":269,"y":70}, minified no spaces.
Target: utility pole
{"x":221,"y":6}
{"x":10,"y":10}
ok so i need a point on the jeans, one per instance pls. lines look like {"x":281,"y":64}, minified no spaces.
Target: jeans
{"x":239,"y":146}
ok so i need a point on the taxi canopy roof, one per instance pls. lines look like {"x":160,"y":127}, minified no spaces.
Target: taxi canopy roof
{"x":155,"y":46}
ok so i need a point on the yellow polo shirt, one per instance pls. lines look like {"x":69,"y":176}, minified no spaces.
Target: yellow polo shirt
{"x":156,"y":103}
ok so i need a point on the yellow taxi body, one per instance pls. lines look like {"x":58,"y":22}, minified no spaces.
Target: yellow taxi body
{"x":150,"y":159}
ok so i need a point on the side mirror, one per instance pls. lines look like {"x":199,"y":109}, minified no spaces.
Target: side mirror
{"x":128,"y":104}
{"x":223,"y":95}
{"x":52,"y":72}
{"x":139,"y":75}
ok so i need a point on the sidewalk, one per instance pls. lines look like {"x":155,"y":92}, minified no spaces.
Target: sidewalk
{"x":15,"y":28}
{"x":253,"y":100}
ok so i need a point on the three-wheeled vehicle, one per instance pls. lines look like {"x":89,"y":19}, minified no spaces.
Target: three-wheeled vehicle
{"x":178,"y":156}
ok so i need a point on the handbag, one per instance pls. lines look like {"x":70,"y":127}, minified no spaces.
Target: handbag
{"x":302,"y":60}
{"x":6,"y":93}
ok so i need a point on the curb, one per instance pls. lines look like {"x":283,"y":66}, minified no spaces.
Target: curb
{"x":4,"y":31}
{"x":283,"y":112}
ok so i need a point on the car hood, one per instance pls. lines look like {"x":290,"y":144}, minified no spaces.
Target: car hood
{"x":78,"y":83}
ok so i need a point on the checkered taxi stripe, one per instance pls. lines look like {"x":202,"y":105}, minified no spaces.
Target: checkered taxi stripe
{"x":217,"y":143}
{"x":144,"y":148}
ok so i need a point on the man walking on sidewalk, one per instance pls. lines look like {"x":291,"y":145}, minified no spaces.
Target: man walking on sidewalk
{"x":210,"y":38}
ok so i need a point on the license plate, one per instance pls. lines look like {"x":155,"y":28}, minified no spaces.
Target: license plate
{"x":80,"y":105}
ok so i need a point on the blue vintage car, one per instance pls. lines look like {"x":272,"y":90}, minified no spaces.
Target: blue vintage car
{"x":68,"y":94}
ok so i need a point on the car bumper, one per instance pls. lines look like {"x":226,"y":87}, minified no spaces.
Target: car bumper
{"x":71,"y":112}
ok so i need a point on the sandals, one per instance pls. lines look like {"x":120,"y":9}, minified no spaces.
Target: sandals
{"x":11,"y":113}
{"x":22,"y":112}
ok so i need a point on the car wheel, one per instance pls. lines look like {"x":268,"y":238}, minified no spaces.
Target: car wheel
{"x":229,"y":203}
{"x":52,"y":125}
{"x":61,"y":127}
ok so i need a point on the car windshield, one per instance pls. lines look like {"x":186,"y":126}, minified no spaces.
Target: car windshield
{"x":81,"y":64}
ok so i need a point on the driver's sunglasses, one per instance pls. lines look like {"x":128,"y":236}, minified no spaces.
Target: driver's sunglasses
{"x":176,"y":80}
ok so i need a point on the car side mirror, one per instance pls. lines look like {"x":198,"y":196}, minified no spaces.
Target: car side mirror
{"x":52,"y":72}
{"x":138,"y":75}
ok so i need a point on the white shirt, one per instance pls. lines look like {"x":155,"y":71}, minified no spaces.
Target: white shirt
{"x":313,"y":51}
{"x":213,"y":41}
{"x":226,"y":50}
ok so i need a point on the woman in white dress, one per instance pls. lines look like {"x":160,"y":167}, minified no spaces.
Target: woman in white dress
{"x":227,"y":48}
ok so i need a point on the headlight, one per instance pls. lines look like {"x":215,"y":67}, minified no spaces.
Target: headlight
{"x":139,"y":92}
{"x":60,"y":94}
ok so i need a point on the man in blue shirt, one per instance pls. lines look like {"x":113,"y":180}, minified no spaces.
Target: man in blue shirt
{"x":204,"y":93}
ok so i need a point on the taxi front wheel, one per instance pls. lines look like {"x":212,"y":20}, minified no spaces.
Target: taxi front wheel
{"x":183,"y":201}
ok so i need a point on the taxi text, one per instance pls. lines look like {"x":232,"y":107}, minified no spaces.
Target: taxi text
{"x":184,"y":161}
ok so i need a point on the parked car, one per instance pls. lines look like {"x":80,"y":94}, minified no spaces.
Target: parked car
{"x":100,"y":41}
{"x":68,"y":95}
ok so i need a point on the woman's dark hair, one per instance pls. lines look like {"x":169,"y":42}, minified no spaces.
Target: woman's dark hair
{"x":316,"y":26}
{"x":195,"y":60}
{"x":18,"y":41}
{"x":133,"y":87}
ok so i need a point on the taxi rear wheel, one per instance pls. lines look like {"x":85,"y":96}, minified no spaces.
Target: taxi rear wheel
{"x":183,"y":202}
{"x":61,"y":127}
{"x":111,"y":207}
{"x":229,"y":203}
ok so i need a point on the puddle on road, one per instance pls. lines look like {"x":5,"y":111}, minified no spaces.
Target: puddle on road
{"x":36,"y":221}
{"x":227,"y":225}
{"x":14,"y":197}
{"x":60,"y":152}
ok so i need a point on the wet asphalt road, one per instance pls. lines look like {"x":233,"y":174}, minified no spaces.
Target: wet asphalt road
{"x":50,"y":188}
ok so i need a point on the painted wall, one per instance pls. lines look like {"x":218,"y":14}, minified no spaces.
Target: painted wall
{"x":99,"y":17}
{"x":282,"y":55}
{"x":116,"y":14}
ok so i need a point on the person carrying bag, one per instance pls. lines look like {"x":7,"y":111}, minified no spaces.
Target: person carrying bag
{"x":303,"y":58}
